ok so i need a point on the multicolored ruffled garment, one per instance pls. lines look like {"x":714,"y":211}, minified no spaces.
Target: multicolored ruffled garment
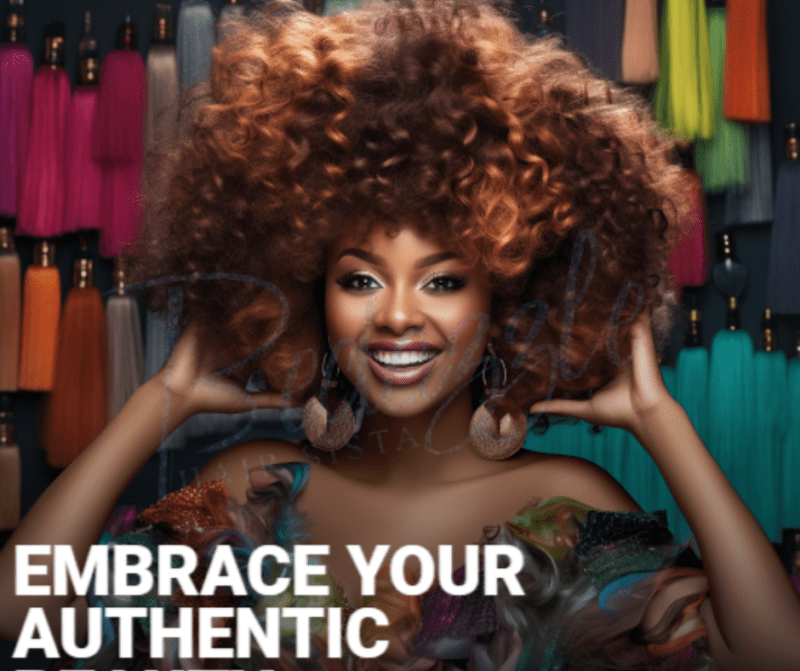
{"x":603,"y":590}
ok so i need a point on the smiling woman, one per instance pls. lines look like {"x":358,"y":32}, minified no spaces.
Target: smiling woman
{"x":449,"y":230}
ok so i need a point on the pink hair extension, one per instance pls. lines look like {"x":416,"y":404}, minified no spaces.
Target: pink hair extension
{"x":41,"y":197}
{"x":16,"y":77}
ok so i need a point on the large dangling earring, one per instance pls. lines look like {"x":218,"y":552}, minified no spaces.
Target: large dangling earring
{"x":497,"y":429}
{"x":329,"y":420}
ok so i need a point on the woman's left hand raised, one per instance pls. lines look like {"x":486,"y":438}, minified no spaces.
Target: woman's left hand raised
{"x":626,"y":401}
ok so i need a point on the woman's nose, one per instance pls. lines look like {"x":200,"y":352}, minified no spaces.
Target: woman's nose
{"x":398,"y":311}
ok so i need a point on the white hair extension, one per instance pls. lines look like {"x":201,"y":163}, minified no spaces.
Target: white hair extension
{"x":125,"y":351}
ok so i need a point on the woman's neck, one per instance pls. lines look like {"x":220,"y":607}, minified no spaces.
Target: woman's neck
{"x":426,"y":449}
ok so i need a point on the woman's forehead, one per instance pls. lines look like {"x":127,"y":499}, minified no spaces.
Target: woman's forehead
{"x":389,"y":242}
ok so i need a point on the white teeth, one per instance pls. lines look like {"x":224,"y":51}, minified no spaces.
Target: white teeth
{"x":406,"y":358}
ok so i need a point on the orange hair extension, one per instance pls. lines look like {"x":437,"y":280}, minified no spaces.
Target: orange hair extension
{"x":747,"y":62}
{"x":79,"y":402}
{"x":10,"y":308}
{"x":41,"y":310}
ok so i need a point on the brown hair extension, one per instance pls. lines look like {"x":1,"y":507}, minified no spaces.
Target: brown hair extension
{"x":437,"y":113}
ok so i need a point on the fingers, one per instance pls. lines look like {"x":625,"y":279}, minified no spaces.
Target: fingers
{"x":561,"y":406}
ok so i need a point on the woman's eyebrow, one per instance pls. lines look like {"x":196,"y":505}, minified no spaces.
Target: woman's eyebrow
{"x":433,"y":259}
{"x":369,"y":257}
{"x":377,"y":260}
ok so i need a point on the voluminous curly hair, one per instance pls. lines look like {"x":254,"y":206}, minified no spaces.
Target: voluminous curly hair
{"x":442,"y":114}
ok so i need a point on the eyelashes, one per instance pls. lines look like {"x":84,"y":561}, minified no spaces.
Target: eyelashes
{"x":442,"y":283}
{"x":447,"y":282}
{"x":358,"y":282}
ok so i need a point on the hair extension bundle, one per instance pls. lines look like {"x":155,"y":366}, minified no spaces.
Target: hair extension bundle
{"x":689,"y":258}
{"x":771,"y":418}
{"x":85,"y":181}
{"x":594,"y":30}
{"x":685,"y":93}
{"x":753,"y":204}
{"x":731,"y":391}
{"x":43,"y":181}
{"x":617,"y":447}
{"x":195,"y":41}
{"x":78,"y":410}
{"x":640,"y":42}
{"x":230,"y":12}
{"x":723,"y":160}
{"x":790,"y":492}
{"x":119,"y":125}
{"x":10,"y":469}
{"x":10,"y":310}
{"x":118,"y":139}
{"x":85,"y":177}
{"x":16,"y":76}
{"x":691,"y":391}
{"x":783,"y":274}
{"x":125,"y":350}
{"x":41,"y":310}
{"x":663,"y":497}
{"x":747,"y":95}
{"x":639,"y":475}
{"x":120,"y":207}
{"x":163,"y":89}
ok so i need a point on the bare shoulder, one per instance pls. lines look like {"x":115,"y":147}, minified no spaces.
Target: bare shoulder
{"x":235,"y":464}
{"x":550,"y":475}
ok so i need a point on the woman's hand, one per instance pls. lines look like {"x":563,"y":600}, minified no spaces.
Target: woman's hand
{"x":626,"y":401}
{"x":192,"y":382}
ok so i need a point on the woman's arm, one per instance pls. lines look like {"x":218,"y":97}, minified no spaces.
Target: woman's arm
{"x":75,"y":508}
{"x":753,"y":615}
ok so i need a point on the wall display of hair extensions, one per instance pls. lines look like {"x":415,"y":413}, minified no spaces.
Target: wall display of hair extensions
{"x":90,"y":91}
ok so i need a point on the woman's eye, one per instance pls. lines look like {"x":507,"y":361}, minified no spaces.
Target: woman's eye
{"x":358,"y":282}
{"x":447,"y":283}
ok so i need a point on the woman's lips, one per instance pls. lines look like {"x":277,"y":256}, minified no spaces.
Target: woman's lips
{"x":402,"y":363}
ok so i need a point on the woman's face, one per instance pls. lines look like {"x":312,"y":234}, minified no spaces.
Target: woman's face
{"x":406,"y":319}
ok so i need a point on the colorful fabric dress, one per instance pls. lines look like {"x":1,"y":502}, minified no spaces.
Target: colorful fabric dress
{"x":603,"y":590}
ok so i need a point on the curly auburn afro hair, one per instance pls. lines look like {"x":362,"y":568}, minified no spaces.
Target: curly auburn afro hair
{"x":441,"y":113}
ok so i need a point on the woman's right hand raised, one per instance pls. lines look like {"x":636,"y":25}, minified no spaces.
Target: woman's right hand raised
{"x":193,"y":383}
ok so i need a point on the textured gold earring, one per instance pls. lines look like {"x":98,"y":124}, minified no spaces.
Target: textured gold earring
{"x":329,"y":421}
{"x":497,"y":429}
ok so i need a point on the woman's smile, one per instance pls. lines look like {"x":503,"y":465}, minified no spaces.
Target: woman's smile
{"x":402,"y":362}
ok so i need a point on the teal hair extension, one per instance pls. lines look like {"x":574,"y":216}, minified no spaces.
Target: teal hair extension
{"x":664,"y":499}
{"x":692,"y":373}
{"x":616,"y":445}
{"x":722,"y":161}
{"x":732,"y":404}
{"x":771,"y":424}
{"x":790,"y":489}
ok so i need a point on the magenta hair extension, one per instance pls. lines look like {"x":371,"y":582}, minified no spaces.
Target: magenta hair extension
{"x":41,"y":195}
{"x":16,"y":76}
